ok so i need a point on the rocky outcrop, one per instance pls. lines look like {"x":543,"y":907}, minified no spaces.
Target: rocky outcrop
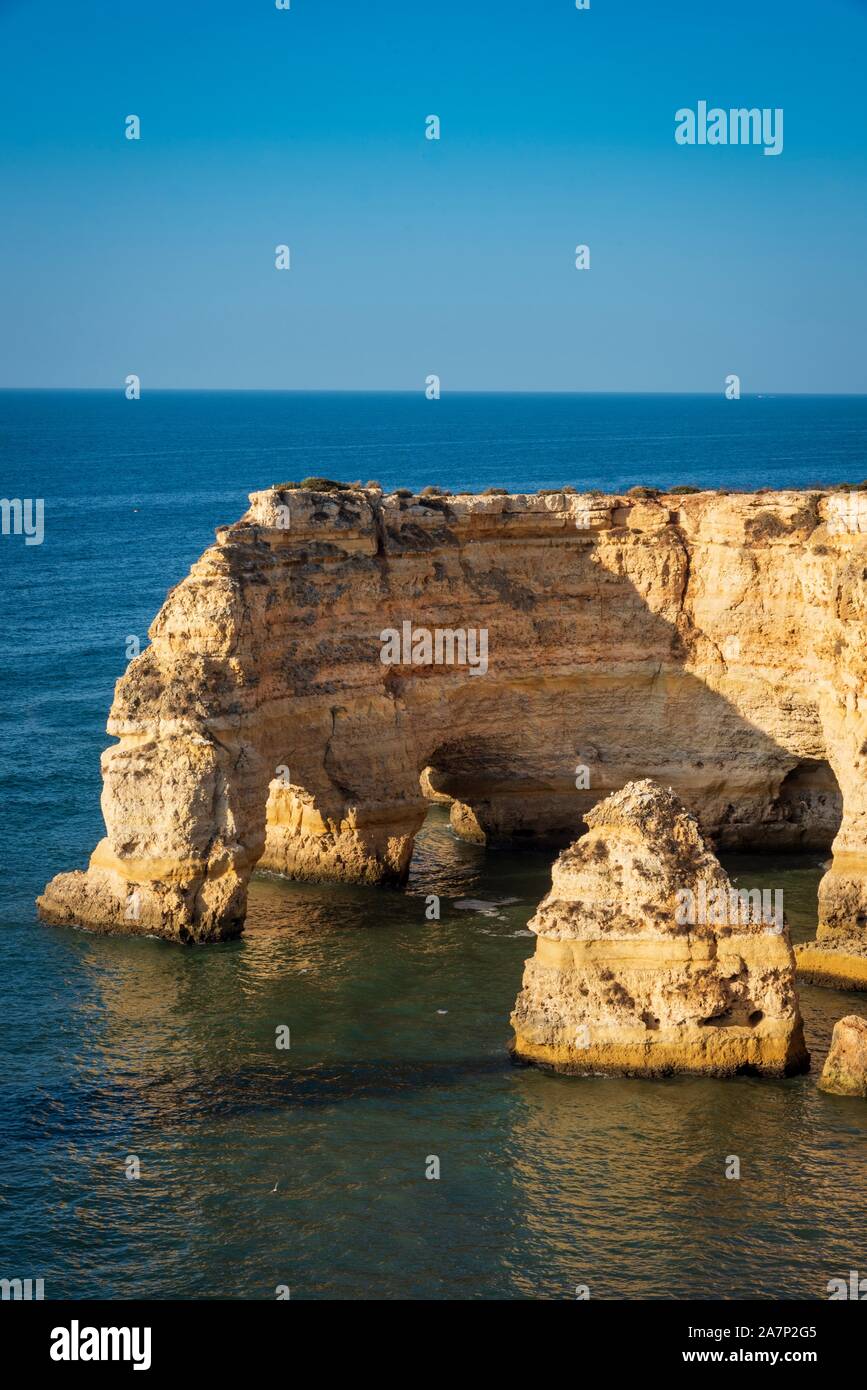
{"x":649,"y":961}
{"x":845,"y":1069}
{"x":833,"y":961}
{"x":535,"y":652}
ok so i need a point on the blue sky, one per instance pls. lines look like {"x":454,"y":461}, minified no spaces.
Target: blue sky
{"x":411,"y":256}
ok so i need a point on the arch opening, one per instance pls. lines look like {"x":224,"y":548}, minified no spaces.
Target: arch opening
{"x":808,"y":810}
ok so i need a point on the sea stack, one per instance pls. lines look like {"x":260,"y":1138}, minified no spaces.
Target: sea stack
{"x":845,"y":1069}
{"x":650,"y":961}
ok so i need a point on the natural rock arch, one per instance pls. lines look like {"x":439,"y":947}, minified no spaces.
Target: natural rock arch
{"x":715,"y":643}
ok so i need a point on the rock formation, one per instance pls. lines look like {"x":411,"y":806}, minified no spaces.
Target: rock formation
{"x":649,"y":961}
{"x":845,"y":1069}
{"x":714,"y":642}
{"x":833,"y":960}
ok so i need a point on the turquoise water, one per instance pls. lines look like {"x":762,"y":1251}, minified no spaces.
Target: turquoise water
{"x":398,"y":1024}
{"x":398,"y":1028}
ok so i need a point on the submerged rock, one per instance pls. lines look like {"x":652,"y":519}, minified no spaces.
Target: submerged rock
{"x":845,"y":1069}
{"x":648,"y":959}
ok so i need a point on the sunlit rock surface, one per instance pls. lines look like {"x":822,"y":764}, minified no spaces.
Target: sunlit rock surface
{"x":622,"y":983}
{"x":716,"y":643}
{"x":845,"y":1069}
{"x":835,"y":963}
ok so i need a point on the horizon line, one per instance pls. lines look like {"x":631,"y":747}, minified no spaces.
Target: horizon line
{"x":419,"y":391}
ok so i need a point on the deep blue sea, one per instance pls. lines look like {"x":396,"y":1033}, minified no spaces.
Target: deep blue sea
{"x":115,"y":1048}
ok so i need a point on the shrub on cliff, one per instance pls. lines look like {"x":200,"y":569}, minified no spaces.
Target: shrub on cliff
{"x":642,"y":491}
{"x":403,"y":492}
{"x":324,"y":485}
{"x":765,"y":526}
{"x":433,"y":491}
{"x":679,"y":491}
{"x":284,"y":487}
{"x":495,"y":492}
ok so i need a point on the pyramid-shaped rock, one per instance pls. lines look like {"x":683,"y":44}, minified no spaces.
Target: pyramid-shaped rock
{"x":649,"y":960}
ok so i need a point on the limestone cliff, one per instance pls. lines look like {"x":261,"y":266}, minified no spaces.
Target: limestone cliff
{"x":713,"y":642}
{"x":648,"y":961}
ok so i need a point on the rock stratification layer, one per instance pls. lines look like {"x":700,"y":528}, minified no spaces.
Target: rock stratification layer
{"x":626,"y":980}
{"x":835,"y":962}
{"x":714,"y":642}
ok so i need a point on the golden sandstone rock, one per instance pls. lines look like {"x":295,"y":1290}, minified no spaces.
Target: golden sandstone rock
{"x":629,"y":978}
{"x":835,"y":963}
{"x":845,"y":1069}
{"x":716,"y":643}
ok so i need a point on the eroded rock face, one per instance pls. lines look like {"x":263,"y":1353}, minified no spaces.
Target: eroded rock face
{"x":624,"y":982}
{"x":833,"y":961}
{"x":845,"y":1069}
{"x":714,"y":642}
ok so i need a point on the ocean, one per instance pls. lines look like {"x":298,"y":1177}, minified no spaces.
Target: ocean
{"x":304,"y":1170}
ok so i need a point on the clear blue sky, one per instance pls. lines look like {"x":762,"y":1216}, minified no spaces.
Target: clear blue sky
{"x":412,"y":256}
